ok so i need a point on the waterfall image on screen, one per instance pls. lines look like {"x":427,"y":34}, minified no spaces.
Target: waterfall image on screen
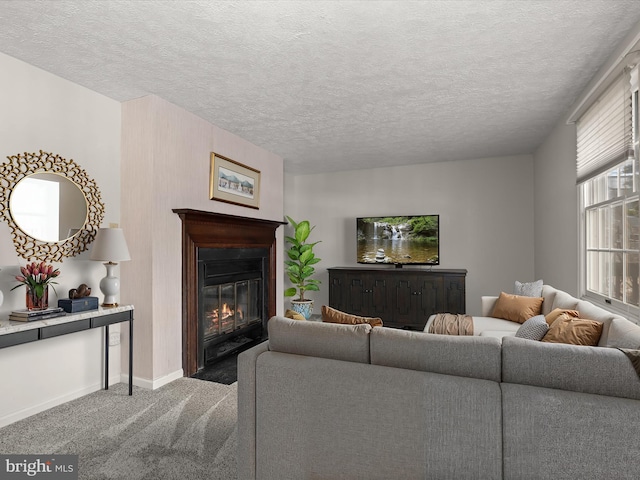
{"x":404,"y":240}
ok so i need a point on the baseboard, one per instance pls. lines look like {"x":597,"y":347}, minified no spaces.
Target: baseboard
{"x":153,"y":384}
{"x":54,"y":402}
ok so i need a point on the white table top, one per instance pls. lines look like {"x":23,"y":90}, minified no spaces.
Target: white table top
{"x":9,"y":326}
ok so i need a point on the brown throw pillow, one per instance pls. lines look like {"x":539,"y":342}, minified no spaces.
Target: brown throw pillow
{"x":574,"y":331}
{"x":331,"y":315}
{"x":516,"y":308}
{"x":554,"y":314}
{"x":294,"y":315}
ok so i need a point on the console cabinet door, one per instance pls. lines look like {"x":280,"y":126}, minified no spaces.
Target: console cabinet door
{"x":455,"y":293}
{"x":358,"y":294}
{"x":416,"y":298}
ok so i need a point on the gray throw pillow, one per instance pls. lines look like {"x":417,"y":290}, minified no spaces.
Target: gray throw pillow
{"x":531,"y":289}
{"x":533,"y":329}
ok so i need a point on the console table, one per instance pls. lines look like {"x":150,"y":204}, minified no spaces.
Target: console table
{"x":17,"y":333}
{"x":401,"y":297}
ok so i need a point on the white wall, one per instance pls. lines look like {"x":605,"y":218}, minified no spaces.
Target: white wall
{"x":485,"y":207}
{"x":165,"y":158}
{"x":556,"y":210}
{"x":39,"y":111}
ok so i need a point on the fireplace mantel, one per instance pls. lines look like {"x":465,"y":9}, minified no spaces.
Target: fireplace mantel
{"x":202,"y":229}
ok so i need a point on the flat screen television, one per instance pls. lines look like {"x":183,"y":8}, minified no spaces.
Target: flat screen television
{"x":408,"y":240}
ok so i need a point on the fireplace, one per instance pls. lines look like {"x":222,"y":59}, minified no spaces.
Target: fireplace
{"x":232,"y":294}
{"x":229,"y":278}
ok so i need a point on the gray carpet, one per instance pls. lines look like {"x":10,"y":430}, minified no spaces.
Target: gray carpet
{"x":183,"y":430}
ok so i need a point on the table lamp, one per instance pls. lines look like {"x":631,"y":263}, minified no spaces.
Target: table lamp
{"x":110,"y":246}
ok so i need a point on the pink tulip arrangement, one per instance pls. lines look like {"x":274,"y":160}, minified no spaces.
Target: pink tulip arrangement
{"x":37,"y":276}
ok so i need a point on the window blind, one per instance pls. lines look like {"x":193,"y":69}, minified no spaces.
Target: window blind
{"x":604,"y":131}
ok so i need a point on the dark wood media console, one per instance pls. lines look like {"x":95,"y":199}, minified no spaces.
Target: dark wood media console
{"x":402,"y":298}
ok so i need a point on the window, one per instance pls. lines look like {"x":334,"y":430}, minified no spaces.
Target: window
{"x":612,"y":233}
{"x":609,"y":186}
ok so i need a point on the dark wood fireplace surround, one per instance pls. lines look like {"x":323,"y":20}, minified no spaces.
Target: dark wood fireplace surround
{"x":214,"y":230}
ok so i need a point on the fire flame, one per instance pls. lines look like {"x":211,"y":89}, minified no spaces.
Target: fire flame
{"x":224,"y":316}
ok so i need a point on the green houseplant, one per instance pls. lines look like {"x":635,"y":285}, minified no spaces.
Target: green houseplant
{"x":300,"y":267}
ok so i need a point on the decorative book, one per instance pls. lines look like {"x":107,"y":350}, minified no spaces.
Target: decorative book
{"x":32,"y":315}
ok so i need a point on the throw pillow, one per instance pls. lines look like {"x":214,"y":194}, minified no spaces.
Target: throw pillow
{"x":533,"y":329}
{"x":555,"y":313}
{"x":294,"y":315}
{"x":575,"y":331}
{"x":531,"y":289}
{"x":516,"y":308}
{"x":331,"y":315}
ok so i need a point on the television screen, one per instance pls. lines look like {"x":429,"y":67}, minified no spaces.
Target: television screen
{"x":407,"y":240}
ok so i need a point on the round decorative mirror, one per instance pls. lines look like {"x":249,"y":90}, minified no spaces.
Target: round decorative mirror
{"x":48,"y":207}
{"x":53,"y":207}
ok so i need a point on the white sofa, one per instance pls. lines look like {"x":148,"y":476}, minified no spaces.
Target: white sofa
{"x":616,"y":331}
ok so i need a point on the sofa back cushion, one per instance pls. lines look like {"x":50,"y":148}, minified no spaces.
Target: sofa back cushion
{"x":602,"y":371}
{"x":564,"y":300}
{"x":463,"y":356}
{"x":549,"y":295}
{"x":317,"y":339}
{"x":621,"y":334}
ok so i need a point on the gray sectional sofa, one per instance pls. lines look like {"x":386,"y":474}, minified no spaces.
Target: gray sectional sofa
{"x":330,"y":401}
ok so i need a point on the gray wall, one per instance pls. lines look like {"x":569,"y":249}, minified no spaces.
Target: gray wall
{"x":486,"y":209}
{"x":556,"y":210}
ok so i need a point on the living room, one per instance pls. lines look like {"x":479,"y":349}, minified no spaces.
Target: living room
{"x":502,"y":218}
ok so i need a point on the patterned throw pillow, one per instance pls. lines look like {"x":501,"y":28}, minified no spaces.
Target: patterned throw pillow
{"x":533,"y":329}
{"x":531,"y":289}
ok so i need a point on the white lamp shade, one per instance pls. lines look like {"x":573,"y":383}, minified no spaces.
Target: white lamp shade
{"x":110,"y":246}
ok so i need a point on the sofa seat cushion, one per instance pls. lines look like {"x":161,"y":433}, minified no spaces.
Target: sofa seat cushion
{"x":483,"y":324}
{"x":317,"y":339}
{"x":497,"y":333}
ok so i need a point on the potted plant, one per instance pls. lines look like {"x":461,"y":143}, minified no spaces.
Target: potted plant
{"x":300,"y":267}
{"x":37,"y":277}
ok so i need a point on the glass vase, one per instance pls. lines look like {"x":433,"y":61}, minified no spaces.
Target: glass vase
{"x":37,"y":303}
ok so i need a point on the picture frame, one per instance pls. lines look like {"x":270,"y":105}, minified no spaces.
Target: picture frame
{"x":233,"y":182}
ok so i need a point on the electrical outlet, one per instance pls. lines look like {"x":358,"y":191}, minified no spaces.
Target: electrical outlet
{"x":114,"y":338}
{"x":113,"y":225}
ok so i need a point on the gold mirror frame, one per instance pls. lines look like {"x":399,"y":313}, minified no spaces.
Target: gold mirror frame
{"x":25,"y":164}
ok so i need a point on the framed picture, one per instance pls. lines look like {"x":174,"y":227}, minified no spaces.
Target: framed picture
{"x":233,"y":182}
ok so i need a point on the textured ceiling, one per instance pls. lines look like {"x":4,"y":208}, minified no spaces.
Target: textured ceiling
{"x":337,"y":85}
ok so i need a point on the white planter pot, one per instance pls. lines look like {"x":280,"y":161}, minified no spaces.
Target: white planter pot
{"x":304,"y":308}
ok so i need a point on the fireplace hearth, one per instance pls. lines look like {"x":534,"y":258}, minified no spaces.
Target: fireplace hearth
{"x":228,"y":295}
